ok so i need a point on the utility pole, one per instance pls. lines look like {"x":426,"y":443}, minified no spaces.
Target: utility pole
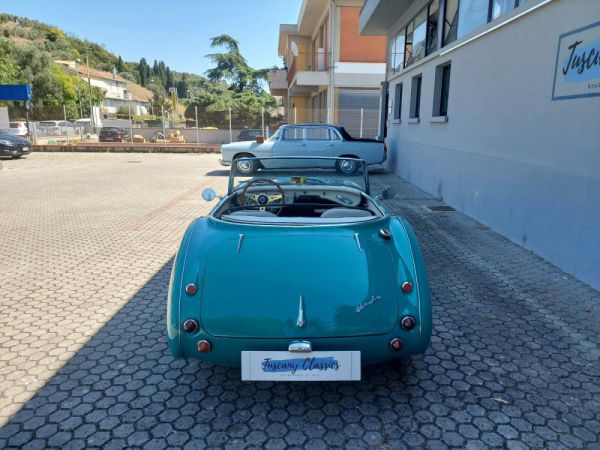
{"x":87,"y":62}
{"x":78,"y":89}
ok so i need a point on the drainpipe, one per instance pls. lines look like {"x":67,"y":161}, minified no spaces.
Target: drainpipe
{"x":332,"y":46}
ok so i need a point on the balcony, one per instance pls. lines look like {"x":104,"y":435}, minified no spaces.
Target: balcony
{"x":377,"y":16}
{"x":309,"y":69}
{"x":278,"y":84}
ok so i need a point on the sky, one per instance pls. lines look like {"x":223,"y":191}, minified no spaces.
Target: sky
{"x":175,"y":31}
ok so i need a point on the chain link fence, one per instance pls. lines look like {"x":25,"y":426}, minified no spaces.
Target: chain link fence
{"x":58,"y":125}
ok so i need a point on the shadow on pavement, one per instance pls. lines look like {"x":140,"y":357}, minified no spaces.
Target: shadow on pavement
{"x":123,"y":389}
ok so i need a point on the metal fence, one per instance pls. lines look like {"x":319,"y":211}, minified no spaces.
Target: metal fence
{"x":58,"y":125}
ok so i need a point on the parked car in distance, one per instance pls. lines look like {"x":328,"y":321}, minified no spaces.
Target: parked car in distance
{"x":298,"y":274}
{"x":113,"y":134}
{"x":249,"y":135}
{"x":52,"y":127}
{"x":305,"y":140}
{"x":13,"y":146}
{"x":18,"y":129}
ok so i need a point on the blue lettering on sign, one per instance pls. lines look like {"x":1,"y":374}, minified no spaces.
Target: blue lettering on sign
{"x":294,"y":364}
{"x":582,"y":63}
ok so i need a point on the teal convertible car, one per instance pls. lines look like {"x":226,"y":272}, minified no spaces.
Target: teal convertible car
{"x":298,"y":273}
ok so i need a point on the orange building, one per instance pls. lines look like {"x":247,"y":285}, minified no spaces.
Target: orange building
{"x":332,"y":74}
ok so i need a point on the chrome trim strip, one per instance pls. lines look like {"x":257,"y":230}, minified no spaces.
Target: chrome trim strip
{"x":357,"y":238}
{"x":300,"y":321}
{"x":240,"y":242}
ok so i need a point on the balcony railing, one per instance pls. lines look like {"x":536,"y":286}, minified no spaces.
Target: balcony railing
{"x":309,"y":61}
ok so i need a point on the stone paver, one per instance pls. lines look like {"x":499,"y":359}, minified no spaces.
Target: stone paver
{"x":86,"y":247}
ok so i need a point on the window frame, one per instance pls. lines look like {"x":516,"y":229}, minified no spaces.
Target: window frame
{"x":303,"y":138}
{"x":327,"y":130}
{"x":441,"y":91}
{"x":398,"y":94}
{"x":416,"y":91}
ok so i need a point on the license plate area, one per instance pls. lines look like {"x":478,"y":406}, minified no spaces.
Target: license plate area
{"x":291,"y":366}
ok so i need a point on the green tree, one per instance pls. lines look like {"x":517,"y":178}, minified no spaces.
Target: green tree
{"x":232,"y":68}
{"x":120,"y":66}
{"x":9,"y":70}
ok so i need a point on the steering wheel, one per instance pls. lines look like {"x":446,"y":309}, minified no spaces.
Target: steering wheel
{"x":263,"y":200}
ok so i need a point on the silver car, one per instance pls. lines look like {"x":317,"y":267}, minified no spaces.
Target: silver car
{"x":305,"y":140}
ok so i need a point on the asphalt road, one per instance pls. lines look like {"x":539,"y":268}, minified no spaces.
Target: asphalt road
{"x":86,"y":247}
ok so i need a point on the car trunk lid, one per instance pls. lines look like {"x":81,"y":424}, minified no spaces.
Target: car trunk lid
{"x":255,"y":287}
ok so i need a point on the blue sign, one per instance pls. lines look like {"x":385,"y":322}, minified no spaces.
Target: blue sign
{"x":15,"y":92}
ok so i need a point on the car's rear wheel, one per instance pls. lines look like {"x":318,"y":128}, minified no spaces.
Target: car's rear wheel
{"x":348,"y":165}
{"x":245,"y":166}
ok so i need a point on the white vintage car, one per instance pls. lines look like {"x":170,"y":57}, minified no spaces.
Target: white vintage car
{"x":304,"y":140}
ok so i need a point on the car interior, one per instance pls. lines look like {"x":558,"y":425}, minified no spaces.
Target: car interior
{"x":269,"y":202}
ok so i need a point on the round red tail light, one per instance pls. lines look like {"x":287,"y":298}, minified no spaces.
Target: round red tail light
{"x":408,"y":322}
{"x":190,"y":326}
{"x":396,"y":344}
{"x":190,"y":289}
{"x":407,"y":287}
{"x":204,"y":346}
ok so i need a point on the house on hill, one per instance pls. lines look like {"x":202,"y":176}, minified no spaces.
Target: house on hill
{"x":118,"y":91}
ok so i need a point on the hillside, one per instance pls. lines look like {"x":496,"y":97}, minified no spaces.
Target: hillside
{"x":34,"y":37}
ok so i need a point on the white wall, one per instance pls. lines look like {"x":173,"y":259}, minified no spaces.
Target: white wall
{"x":509,"y":156}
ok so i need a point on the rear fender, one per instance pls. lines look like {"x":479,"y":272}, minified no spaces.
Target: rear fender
{"x":413,"y":266}
{"x":174,"y":293}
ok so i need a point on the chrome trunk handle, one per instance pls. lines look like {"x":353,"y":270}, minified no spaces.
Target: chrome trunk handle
{"x":300,"y":347}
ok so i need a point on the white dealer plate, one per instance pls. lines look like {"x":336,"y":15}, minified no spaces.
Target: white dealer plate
{"x":313,"y":366}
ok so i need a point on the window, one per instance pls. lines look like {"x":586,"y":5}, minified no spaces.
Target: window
{"x":408,"y":44}
{"x":317,"y":134}
{"x":450,"y":21}
{"x":417,"y":39}
{"x":472,"y":14}
{"x":399,"y":51}
{"x":442,"y":90}
{"x":415,"y":97}
{"x":398,"y":102}
{"x":500,"y":7}
{"x":432,"y":26}
{"x":293,"y":134}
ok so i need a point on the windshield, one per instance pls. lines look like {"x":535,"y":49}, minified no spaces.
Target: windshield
{"x":301,"y":171}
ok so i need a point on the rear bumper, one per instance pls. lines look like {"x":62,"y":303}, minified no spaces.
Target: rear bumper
{"x":374,"y":349}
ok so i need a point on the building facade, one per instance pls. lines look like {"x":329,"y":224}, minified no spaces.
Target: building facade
{"x":118,"y":92}
{"x":332,"y":73}
{"x":493,"y":106}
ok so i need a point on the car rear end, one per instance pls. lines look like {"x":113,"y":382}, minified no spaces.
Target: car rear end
{"x":348,"y":294}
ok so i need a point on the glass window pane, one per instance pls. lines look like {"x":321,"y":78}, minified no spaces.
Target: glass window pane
{"x":317,"y":134}
{"x":473,"y":14}
{"x":398,"y":102}
{"x":450,"y":21}
{"x":418,"y":103}
{"x":445,"y":90}
{"x":293,"y":134}
{"x":419,"y":37}
{"x":408,"y":46}
{"x":399,"y":52}
{"x":500,"y":7}
{"x":432,"y":26}
{"x":391,"y":55}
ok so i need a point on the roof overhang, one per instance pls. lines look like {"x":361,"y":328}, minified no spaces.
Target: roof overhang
{"x":377,"y":16}
{"x":285,"y":29}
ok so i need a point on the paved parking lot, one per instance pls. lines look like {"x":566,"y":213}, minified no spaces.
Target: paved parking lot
{"x":86,"y":246}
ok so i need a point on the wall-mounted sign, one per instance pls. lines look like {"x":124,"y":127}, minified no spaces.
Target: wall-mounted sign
{"x":577,"y":71}
{"x":15,"y":92}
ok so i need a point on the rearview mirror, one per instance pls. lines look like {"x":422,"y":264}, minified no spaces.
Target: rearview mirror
{"x":260,"y":139}
{"x":209,"y":194}
{"x":387,"y":193}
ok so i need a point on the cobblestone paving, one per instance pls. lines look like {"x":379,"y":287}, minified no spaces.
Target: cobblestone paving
{"x":86,"y":247}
